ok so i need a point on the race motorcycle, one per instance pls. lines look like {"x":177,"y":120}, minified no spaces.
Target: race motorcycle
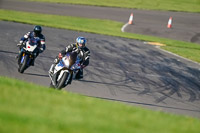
{"x":29,"y":52}
{"x":65,"y":70}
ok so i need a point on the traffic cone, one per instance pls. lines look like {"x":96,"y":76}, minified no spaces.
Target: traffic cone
{"x":169,"y":25}
{"x":130,"y":19}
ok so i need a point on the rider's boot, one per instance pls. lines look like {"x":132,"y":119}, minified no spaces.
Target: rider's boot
{"x":32,"y":62}
{"x":79,"y":75}
{"x":52,"y":68}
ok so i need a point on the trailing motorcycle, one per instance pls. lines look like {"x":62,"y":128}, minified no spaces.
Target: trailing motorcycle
{"x":65,"y":70}
{"x":28,"y":53}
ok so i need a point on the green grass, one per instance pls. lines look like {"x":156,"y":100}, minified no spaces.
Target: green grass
{"x":172,"y":5}
{"x":26,"y":107}
{"x":29,"y":108}
{"x":106,"y":27}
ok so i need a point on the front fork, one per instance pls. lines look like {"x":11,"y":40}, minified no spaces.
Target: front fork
{"x":23,"y":56}
{"x":55,"y":77}
{"x":69,"y":78}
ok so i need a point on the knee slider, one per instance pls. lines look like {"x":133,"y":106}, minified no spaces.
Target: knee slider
{"x":56,"y":61}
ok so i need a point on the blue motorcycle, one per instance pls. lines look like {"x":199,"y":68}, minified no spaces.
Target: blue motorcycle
{"x":29,"y":52}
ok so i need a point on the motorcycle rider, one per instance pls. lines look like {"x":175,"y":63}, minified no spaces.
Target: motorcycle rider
{"x":35,"y":34}
{"x":83,"y":53}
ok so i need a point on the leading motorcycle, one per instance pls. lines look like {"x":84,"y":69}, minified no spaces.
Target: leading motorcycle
{"x":29,"y":52}
{"x":65,"y":70}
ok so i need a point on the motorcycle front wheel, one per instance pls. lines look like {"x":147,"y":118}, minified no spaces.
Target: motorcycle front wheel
{"x":61,"y":82}
{"x":23,"y":66}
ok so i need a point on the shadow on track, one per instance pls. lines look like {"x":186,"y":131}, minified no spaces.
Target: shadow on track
{"x":10,"y":52}
{"x":195,"y":38}
{"x":40,"y":75}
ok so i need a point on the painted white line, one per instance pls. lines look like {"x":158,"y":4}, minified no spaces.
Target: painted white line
{"x":124,"y":26}
{"x":177,"y":55}
{"x":158,"y":47}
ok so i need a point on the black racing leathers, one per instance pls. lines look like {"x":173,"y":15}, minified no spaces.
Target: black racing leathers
{"x":84,"y":53}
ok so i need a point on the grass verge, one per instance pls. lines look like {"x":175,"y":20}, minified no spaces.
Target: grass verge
{"x":25,"y":107}
{"x":169,"y":5}
{"x":106,"y":27}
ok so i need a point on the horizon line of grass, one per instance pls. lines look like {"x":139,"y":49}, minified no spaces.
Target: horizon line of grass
{"x":169,"y":5}
{"x":106,"y":27}
{"x":26,"y":107}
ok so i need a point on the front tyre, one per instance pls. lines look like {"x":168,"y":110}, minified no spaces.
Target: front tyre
{"x":61,"y":82}
{"x":23,"y":66}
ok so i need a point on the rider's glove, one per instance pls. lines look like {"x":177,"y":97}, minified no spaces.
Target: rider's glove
{"x":20,"y":43}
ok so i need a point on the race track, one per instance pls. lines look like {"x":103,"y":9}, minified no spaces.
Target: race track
{"x":120,"y":69}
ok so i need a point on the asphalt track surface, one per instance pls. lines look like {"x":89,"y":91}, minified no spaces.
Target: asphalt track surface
{"x":120,"y":69}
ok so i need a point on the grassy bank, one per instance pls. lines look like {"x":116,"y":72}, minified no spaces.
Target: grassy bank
{"x":106,"y":27}
{"x":25,"y":107}
{"x":169,"y":5}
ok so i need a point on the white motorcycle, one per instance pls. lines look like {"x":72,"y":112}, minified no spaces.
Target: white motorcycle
{"x":65,"y":70}
{"x":29,"y":52}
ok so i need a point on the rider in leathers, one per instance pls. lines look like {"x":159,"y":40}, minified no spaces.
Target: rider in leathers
{"x":37,"y":35}
{"x":83,"y":52}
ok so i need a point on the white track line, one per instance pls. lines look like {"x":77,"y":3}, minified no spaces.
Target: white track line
{"x":124,"y":26}
{"x":178,"y":55}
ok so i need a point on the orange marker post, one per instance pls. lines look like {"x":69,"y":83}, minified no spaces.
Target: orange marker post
{"x":169,"y":25}
{"x":130,"y":19}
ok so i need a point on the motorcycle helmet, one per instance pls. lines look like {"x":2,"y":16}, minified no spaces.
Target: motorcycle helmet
{"x":81,"y":41}
{"x":37,"y":30}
